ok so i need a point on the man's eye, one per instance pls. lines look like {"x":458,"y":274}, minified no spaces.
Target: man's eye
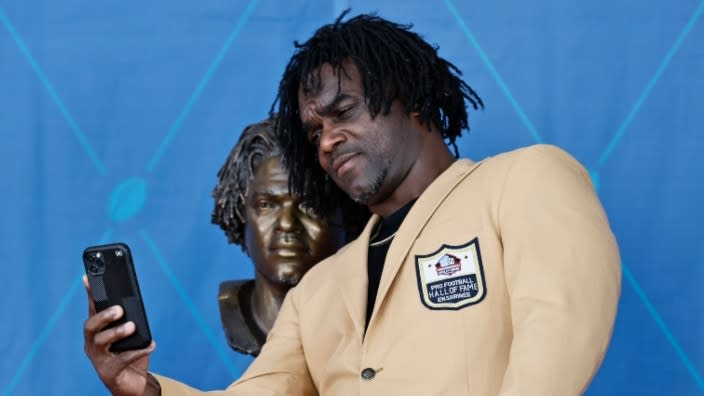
{"x":264,"y":204}
{"x":315,"y":138}
{"x":307,"y":210}
{"x":343,"y":112}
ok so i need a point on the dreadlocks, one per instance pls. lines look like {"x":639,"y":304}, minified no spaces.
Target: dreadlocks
{"x":394,"y":63}
{"x":256,"y":144}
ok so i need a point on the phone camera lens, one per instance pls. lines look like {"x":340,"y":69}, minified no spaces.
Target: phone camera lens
{"x":96,"y":265}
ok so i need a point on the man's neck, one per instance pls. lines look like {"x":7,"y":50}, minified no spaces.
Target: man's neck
{"x":421,"y":175}
{"x":265,"y":301}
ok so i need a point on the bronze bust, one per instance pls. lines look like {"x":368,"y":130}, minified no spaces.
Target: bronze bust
{"x":280,"y":233}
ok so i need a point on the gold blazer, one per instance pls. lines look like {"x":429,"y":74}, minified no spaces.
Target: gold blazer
{"x":502,"y":280}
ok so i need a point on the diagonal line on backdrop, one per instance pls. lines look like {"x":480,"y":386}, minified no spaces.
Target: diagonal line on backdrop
{"x":662,"y":326}
{"x":48,"y":327}
{"x":485,"y":58}
{"x":649,"y":87}
{"x":222,"y":353}
{"x":176,"y":126}
{"x":54,"y":96}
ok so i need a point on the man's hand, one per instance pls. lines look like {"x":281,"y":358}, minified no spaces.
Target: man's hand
{"x":125,"y":373}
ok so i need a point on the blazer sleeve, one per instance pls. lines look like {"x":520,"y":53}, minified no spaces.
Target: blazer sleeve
{"x":280,"y":368}
{"x":563,"y":274}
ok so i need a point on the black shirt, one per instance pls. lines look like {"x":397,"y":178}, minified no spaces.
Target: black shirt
{"x":379,"y":244}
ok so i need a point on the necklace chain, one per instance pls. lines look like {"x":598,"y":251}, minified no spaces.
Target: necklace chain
{"x":383,"y":241}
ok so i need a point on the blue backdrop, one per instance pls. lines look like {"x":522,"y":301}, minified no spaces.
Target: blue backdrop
{"x":116,"y":115}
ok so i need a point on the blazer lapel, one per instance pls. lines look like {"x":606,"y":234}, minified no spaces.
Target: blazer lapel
{"x":352,"y":276}
{"x":414,"y":222}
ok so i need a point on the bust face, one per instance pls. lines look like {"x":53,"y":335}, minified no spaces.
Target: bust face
{"x":284,"y":238}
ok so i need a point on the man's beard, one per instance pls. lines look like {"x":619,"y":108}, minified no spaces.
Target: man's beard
{"x":374,"y":188}
{"x":290,"y":277}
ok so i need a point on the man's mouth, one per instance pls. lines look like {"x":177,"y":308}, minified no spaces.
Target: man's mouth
{"x":343,"y":163}
{"x":289,"y":245}
{"x":289,"y":250}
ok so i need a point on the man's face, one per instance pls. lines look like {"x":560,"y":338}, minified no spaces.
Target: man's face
{"x":366,"y":157}
{"x":284,"y":238}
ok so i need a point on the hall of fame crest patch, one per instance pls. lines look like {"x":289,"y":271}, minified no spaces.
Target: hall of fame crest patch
{"x":452,"y":277}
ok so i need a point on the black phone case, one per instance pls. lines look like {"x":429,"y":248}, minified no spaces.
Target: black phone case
{"x":113,"y":281}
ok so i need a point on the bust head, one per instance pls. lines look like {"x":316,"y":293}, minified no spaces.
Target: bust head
{"x":283,"y":236}
{"x":255,"y":209}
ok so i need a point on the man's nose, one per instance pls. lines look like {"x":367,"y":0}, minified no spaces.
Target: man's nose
{"x":288,"y":218}
{"x":330,"y":138}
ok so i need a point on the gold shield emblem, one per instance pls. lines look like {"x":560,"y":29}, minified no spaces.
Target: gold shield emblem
{"x":451,"y":277}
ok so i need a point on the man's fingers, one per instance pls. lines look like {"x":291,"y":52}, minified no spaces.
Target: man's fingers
{"x":106,"y":337}
{"x":130,"y":357}
{"x":113,"y":364}
{"x":91,"y":304}
{"x":98,"y":321}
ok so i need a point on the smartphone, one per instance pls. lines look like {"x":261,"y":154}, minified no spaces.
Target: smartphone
{"x":113,"y":281}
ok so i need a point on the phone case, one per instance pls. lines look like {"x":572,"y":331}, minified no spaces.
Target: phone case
{"x":113,"y":281}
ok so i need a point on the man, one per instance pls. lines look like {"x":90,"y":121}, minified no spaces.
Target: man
{"x":282,"y":235}
{"x":493,"y":278}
